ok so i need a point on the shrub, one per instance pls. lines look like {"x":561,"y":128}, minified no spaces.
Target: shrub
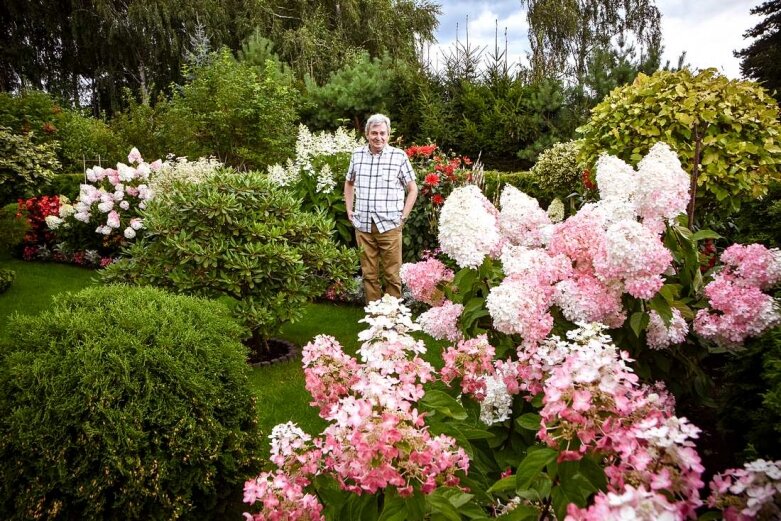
{"x":526,"y":182}
{"x":6,"y":279}
{"x":65,"y":184}
{"x":231,"y":111}
{"x":726,"y":132}
{"x":85,"y":140}
{"x":13,"y":227}
{"x":237,"y":235}
{"x":557,"y":169}
{"x":25,"y":166}
{"x":126,"y":403}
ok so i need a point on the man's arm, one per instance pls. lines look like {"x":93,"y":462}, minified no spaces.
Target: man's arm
{"x":409,"y":202}
{"x":349,"y":194}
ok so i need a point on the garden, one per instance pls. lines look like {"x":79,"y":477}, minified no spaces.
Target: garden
{"x":594,"y":336}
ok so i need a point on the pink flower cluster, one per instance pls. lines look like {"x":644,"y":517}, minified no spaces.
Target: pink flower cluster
{"x":631,"y":503}
{"x":753,"y":492}
{"x":376,"y":438}
{"x":423,"y":278}
{"x":739,"y":308}
{"x":592,"y":403}
{"x":660,"y":335}
{"x":441,"y":322}
{"x":469,"y":360}
{"x":115,"y":196}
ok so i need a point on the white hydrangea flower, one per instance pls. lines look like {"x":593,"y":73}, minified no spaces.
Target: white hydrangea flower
{"x":468,"y":229}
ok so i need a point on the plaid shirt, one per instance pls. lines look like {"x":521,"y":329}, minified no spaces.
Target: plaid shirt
{"x":380,"y":180}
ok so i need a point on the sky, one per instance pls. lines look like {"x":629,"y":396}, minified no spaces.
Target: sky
{"x":708,"y":30}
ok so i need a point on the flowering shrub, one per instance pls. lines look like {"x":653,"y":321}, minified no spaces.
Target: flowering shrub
{"x":573,"y":429}
{"x":36,"y":211}
{"x":438,"y":174}
{"x":376,"y":439}
{"x":317,"y":174}
{"x":180,"y":169}
{"x":753,"y":492}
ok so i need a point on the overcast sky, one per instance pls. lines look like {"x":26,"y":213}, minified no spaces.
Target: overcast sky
{"x":708,"y":30}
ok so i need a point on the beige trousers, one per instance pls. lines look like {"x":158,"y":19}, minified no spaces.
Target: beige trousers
{"x":380,"y":251}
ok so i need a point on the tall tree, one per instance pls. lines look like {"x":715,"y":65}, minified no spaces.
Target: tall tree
{"x":93,"y":49}
{"x":761,"y":60}
{"x":317,"y":37}
{"x":564,"y":34}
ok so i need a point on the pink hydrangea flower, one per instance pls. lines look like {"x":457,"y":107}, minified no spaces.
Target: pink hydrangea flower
{"x":661,"y":336}
{"x":423,"y":277}
{"x":441,"y":322}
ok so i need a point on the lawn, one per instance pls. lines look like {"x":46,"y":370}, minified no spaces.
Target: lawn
{"x":279,"y":388}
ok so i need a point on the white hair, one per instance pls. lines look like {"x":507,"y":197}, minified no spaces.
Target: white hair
{"x":377,"y":119}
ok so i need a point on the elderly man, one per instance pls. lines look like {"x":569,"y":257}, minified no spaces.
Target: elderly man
{"x":377,"y":179}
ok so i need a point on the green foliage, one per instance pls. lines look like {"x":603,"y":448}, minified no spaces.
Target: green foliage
{"x":726,"y":132}
{"x":750,"y":398}
{"x":557,"y":169}
{"x":231,"y":111}
{"x":6,"y":279}
{"x":127,"y":403}
{"x":362,"y":87}
{"x":526,"y":182}
{"x":12,"y":228}
{"x":140,"y":125}
{"x":25,"y":166}
{"x":68,"y":185}
{"x":85,"y":141}
{"x":758,"y":221}
{"x":237,"y":235}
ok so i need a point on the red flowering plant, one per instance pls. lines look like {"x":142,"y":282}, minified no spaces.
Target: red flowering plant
{"x":39,"y":239}
{"x":438,"y":174}
{"x":42,"y":242}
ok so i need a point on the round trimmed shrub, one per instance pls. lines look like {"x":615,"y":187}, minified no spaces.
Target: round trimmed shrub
{"x":125,"y":403}
{"x":557,"y":168}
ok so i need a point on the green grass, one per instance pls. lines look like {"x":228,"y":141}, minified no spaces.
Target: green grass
{"x":279,"y":388}
{"x":35,"y":285}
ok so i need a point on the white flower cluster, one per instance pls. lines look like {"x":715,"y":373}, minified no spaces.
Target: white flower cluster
{"x":468,"y":229}
{"x":389,"y":321}
{"x":287,"y":438}
{"x":182,"y":169}
{"x":658,"y":191}
{"x":497,"y":404}
{"x":660,"y":336}
{"x":309,"y":147}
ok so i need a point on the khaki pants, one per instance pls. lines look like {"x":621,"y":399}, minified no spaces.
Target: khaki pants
{"x":380,"y":249}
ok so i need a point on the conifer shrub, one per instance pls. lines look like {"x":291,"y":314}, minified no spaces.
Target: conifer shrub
{"x":124,"y":403}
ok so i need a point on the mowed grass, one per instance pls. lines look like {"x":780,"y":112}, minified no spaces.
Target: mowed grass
{"x":279,"y":388}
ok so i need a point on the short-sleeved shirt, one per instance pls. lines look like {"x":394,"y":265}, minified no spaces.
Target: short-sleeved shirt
{"x":379,"y":181}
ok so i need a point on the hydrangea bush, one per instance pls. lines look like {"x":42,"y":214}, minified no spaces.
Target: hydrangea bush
{"x":603,"y":441}
{"x":438,"y":174}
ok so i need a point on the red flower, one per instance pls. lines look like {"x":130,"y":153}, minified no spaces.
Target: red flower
{"x":431,"y":179}
{"x":437,"y":199}
{"x":587,"y":181}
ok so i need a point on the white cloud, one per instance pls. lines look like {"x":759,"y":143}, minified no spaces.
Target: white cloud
{"x":708,"y":31}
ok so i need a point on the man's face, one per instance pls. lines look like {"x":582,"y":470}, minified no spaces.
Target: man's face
{"x":377,"y":135}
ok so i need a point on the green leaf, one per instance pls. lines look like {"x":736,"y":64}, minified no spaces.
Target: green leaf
{"x":505,"y":484}
{"x":440,"y":505}
{"x":529,"y":421}
{"x":532,"y":465}
{"x":705,"y":234}
{"x":394,"y":509}
{"x":639,"y":322}
{"x":443,"y":403}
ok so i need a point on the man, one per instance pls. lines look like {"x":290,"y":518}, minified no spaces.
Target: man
{"x":377,"y":179}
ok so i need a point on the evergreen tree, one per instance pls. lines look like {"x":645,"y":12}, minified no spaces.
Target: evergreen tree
{"x":761,"y":61}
